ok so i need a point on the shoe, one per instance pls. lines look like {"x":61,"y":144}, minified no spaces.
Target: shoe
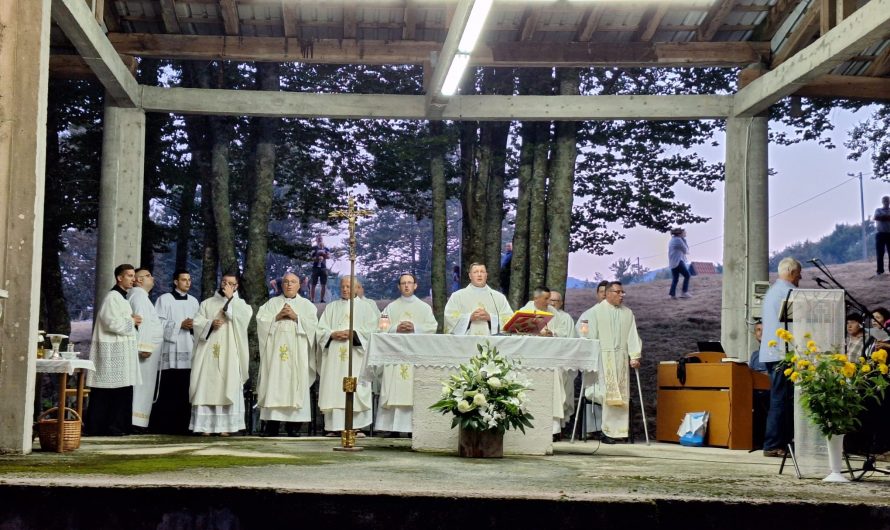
{"x":774,"y":453}
{"x":672,"y":297}
{"x":608,"y":440}
{"x":331,"y":434}
{"x":685,"y":295}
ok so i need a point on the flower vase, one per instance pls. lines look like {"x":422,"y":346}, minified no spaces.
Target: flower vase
{"x":480,"y":444}
{"x":835,"y":459}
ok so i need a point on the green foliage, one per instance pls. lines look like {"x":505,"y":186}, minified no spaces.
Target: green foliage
{"x":871,"y":136}
{"x":835,"y":389}
{"x":842,"y":245}
{"x":488,"y":393}
{"x":627,"y":271}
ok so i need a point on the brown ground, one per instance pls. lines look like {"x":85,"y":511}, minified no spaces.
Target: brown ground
{"x":670,"y":328}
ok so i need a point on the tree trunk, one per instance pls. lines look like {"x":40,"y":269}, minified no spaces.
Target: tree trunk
{"x":439,"y":275}
{"x":537,"y":217}
{"x":472,"y":218}
{"x":222,"y":204}
{"x":54,"y":310}
{"x":562,"y":182}
{"x":498,"y":81}
{"x":519,"y":264}
{"x":186,"y":211}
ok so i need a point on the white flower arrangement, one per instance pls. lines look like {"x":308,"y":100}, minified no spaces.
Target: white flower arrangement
{"x":488,"y":393}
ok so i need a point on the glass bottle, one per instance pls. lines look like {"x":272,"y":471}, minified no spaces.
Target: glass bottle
{"x":584,"y":328}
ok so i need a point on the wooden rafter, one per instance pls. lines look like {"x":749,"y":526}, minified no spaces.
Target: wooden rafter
{"x":714,"y":19}
{"x":650,"y":22}
{"x":289,"y":18}
{"x":231,"y":21}
{"x":827,"y":15}
{"x":168,"y":14}
{"x":880,"y":65}
{"x":847,"y":87}
{"x":589,"y":23}
{"x":110,"y":17}
{"x":336,"y":51}
{"x":529,"y":23}
{"x":350,"y":22}
{"x":801,"y":36}
{"x":410,"y":19}
{"x":844,"y":8}
{"x":773,"y":21}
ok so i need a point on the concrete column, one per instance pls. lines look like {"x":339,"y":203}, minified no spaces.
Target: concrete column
{"x":745,"y":227}
{"x":24,"y":71}
{"x":120,"y":194}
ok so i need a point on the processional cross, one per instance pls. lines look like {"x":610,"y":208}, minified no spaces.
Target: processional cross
{"x":350,"y":382}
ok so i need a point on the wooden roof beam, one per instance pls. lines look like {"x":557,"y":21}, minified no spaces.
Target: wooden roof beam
{"x":847,"y":87}
{"x":110,"y":17}
{"x":650,"y":22}
{"x":409,"y":32}
{"x":350,"y":22}
{"x":774,"y":20}
{"x":84,"y":32}
{"x":880,"y":64}
{"x":231,"y":20}
{"x":518,"y":54}
{"x":866,"y":27}
{"x":529,"y":23}
{"x":801,"y":36}
{"x":168,"y":14}
{"x":714,"y":19}
{"x":289,"y":19}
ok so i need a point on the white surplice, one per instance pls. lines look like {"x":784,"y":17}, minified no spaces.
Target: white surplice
{"x":335,"y":362}
{"x":287,"y":360}
{"x":113,"y":348}
{"x":149,"y":339}
{"x":219,"y":365}
{"x":397,"y":384}
{"x":464,"y":302}
{"x":616,"y":329}
{"x":172,"y":309}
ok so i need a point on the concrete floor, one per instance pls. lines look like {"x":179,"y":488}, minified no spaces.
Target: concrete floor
{"x":579,"y":471}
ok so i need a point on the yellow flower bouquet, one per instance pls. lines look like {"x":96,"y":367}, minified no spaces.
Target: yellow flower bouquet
{"x":834,"y":389}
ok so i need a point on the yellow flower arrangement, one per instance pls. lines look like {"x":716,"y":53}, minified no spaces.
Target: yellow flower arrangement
{"x":834,"y":388}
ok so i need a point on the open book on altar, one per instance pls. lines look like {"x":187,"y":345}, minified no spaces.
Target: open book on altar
{"x":527,"y":322}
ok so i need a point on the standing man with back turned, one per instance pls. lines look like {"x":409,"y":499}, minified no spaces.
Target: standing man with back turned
{"x":882,"y":232}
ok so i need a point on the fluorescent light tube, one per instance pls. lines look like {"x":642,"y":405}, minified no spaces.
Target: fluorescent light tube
{"x":455,"y":73}
{"x":474,"y":26}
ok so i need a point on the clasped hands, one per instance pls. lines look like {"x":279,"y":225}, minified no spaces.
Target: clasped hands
{"x":287,"y":313}
{"x":480,"y":315}
{"x":341,"y":335}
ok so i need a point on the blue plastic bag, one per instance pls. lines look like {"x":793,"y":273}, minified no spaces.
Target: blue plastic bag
{"x":693,"y":429}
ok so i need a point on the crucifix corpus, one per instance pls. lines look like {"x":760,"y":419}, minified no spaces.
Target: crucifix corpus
{"x":350,"y":382}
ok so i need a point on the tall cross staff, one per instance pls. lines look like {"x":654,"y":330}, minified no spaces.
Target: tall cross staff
{"x":350,"y":383}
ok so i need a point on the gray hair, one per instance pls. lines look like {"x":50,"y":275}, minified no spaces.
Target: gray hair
{"x":788,"y":265}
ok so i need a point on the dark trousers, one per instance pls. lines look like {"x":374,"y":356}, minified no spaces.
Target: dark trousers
{"x":882,"y":244}
{"x":780,"y":418}
{"x":172,"y":412}
{"x":676,"y":272}
{"x":110,"y":411}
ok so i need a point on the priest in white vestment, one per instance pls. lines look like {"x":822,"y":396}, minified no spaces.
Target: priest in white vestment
{"x":286,"y":327}
{"x":149,"y":340}
{"x":477,"y":309}
{"x":613,"y":324}
{"x":557,"y":327}
{"x":113,"y":351}
{"x":333,"y":346}
{"x":407,"y":314}
{"x":177,"y":310}
{"x":220,"y":363}
{"x":564,"y":326}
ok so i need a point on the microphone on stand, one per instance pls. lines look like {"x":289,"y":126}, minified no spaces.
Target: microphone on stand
{"x":822,"y":283}
{"x":814,"y":261}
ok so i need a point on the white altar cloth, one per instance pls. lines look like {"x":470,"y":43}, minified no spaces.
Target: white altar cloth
{"x":435,"y":357}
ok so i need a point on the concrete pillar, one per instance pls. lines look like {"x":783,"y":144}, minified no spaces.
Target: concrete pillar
{"x":24,"y":71}
{"x":120,"y":194}
{"x":745,"y":227}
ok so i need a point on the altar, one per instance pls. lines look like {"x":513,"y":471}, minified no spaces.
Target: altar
{"x":436,"y":357}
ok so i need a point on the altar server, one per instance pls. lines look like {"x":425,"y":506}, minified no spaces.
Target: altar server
{"x":477,"y":309}
{"x":149,"y":339}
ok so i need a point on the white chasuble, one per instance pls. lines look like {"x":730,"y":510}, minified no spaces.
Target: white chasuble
{"x":616,"y":329}
{"x":219,"y":366}
{"x":113,"y":348}
{"x":335,"y":362}
{"x":287,"y":359}
{"x":465,"y":301}
{"x":397,"y":385}
{"x":150,"y":337}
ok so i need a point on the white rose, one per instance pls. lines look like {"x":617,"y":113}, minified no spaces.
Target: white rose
{"x":446,"y":390}
{"x":470,"y":393}
{"x":494,"y":382}
{"x":464,"y":406}
{"x":479,"y":399}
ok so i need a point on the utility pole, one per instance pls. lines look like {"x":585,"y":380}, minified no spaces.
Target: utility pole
{"x":862,"y":224}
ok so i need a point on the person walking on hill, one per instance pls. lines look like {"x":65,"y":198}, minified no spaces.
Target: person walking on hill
{"x":677,"y":250}
{"x":882,"y":232}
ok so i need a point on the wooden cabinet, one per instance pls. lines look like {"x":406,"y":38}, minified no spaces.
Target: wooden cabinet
{"x":724,"y":389}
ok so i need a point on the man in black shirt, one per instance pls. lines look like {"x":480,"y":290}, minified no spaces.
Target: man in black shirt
{"x":319,"y":258}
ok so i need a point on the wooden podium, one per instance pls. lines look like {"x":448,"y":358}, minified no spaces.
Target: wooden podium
{"x":724,"y":389}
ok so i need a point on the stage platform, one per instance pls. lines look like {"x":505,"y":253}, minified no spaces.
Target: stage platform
{"x":248,"y":482}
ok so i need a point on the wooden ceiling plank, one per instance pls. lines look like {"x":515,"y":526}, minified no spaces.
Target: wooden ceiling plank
{"x":289,"y":18}
{"x":409,"y":32}
{"x":529,"y":24}
{"x":653,"y":23}
{"x":773,"y":21}
{"x":714,"y":19}
{"x":880,"y":65}
{"x":350,"y":22}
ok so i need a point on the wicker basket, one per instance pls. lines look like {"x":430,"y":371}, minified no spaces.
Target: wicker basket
{"x":48,"y":431}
